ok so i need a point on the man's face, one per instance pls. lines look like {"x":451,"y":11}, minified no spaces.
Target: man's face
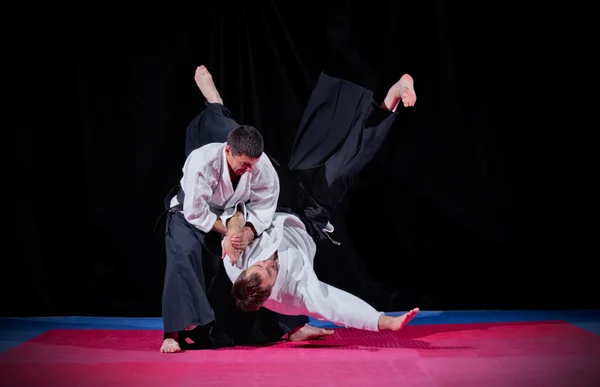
{"x":240,"y":164}
{"x":267,"y":270}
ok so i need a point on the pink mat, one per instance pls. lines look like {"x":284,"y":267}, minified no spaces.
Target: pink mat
{"x":493,"y":354}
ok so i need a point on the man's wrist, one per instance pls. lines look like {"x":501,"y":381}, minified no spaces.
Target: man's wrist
{"x":249,"y":232}
{"x":219,"y":227}
{"x":234,"y":228}
{"x":236,"y":222}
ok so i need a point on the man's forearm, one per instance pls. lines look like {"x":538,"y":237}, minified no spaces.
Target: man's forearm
{"x":219,"y":227}
{"x":236,"y":222}
{"x":237,"y":225}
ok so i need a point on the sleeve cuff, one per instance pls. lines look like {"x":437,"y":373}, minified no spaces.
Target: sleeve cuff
{"x":228,"y":213}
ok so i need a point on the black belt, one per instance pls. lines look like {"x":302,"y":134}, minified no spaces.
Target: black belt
{"x":175,"y":191}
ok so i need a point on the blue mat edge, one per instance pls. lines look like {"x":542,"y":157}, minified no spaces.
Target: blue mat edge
{"x":15,"y":331}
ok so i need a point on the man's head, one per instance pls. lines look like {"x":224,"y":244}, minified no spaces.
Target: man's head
{"x":244,"y":147}
{"x":254,"y":285}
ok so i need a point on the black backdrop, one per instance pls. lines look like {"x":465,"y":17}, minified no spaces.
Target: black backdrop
{"x":474,"y":201}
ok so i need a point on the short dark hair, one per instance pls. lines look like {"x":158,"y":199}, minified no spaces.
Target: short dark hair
{"x":248,"y":292}
{"x":246,"y":140}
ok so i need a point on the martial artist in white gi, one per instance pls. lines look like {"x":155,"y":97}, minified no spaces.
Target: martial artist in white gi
{"x":215,"y":179}
{"x":279,"y":265}
{"x":225,"y":169}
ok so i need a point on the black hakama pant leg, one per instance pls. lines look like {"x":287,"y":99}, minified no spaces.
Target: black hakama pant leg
{"x":341,"y":130}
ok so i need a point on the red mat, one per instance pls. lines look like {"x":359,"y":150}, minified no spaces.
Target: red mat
{"x":495,"y":354}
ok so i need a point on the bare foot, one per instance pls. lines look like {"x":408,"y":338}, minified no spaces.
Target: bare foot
{"x":206,"y":85}
{"x":389,"y":323}
{"x":308,"y":332}
{"x":170,"y":346}
{"x":402,"y":90}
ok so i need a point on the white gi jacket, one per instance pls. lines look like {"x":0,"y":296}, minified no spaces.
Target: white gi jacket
{"x":297,"y":290}
{"x":209,"y":191}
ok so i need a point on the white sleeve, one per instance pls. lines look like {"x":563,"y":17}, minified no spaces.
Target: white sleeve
{"x":264,"y":195}
{"x":198,"y":191}
{"x":229,"y":212}
{"x":328,"y":303}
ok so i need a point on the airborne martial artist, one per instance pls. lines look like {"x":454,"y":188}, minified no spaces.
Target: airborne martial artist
{"x":341,"y":130}
{"x":277,"y":273}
